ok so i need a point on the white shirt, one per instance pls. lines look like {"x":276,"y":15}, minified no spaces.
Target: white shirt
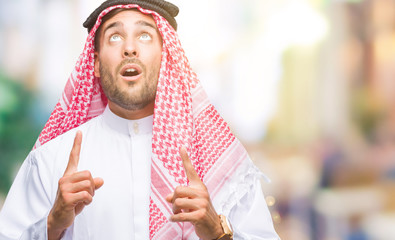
{"x":119,"y":151}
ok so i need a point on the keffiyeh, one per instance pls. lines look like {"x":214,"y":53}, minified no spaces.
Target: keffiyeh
{"x":183,"y":116}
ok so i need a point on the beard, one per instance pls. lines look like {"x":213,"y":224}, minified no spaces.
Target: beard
{"x":136,"y":95}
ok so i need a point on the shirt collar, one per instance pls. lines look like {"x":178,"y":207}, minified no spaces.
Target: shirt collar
{"x":131,"y":127}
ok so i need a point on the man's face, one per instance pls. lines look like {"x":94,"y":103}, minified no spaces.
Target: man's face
{"x":128,"y":60}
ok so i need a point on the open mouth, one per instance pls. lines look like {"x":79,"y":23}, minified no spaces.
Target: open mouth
{"x":130,"y":71}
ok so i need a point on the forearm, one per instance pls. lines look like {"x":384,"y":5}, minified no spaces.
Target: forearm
{"x":53,"y":232}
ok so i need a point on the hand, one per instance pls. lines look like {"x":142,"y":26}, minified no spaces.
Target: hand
{"x":193,"y":204}
{"x":75,"y":191}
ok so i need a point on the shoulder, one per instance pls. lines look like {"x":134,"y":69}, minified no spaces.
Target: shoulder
{"x":68,"y":136}
{"x":59,"y":148}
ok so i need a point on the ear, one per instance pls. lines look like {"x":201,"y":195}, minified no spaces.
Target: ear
{"x":97,"y":65}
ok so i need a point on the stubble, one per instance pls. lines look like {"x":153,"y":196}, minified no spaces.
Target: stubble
{"x":136,"y":95}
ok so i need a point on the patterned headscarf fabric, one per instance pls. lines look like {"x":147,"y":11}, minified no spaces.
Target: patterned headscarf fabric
{"x":183,"y":116}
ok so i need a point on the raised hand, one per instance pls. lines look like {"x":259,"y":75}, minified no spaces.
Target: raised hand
{"x":193,"y":203}
{"x":75,"y":191}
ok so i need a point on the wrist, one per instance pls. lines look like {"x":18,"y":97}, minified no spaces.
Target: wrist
{"x":54,"y":233}
{"x":219,"y":232}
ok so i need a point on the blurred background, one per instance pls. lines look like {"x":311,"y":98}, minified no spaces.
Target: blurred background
{"x":307,"y":85}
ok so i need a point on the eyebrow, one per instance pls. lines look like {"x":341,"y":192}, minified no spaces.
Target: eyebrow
{"x":145,"y":23}
{"x":112,"y":25}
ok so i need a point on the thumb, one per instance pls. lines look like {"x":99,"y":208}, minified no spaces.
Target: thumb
{"x":98,"y":182}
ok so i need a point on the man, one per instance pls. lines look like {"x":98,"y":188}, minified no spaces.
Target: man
{"x":134,"y":116}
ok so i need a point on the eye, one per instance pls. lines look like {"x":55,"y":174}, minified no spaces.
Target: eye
{"x":115,"y":38}
{"x":145,"y":37}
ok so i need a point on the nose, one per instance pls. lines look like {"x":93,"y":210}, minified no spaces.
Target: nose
{"x":130,"y":49}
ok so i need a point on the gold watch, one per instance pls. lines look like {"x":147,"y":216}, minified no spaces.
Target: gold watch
{"x":226,"y":227}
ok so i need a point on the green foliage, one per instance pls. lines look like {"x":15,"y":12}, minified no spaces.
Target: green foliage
{"x":18,"y":129}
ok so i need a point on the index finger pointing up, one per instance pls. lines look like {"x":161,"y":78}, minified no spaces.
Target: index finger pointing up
{"x":74,"y":155}
{"x":192,"y":175}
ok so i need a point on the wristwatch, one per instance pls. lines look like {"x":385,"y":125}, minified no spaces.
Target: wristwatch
{"x":226,"y":227}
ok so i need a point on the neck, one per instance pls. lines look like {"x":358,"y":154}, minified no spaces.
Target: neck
{"x":132,"y":114}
